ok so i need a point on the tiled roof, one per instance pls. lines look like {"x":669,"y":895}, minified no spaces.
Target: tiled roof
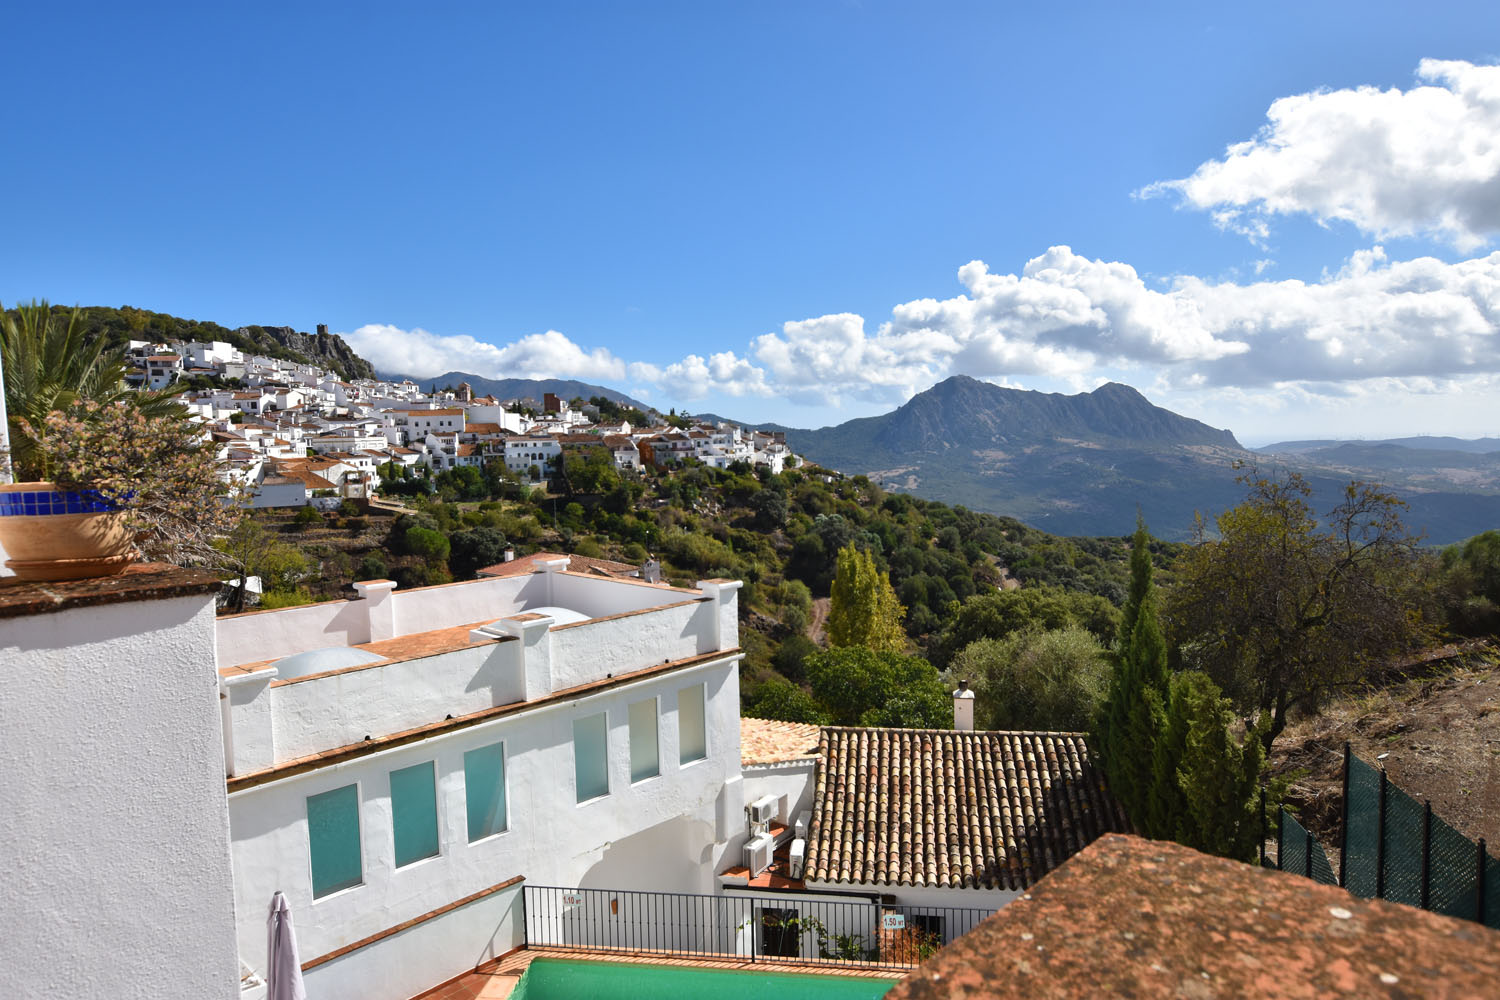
{"x":771,"y":741}
{"x":1145,"y":919}
{"x":953,"y":809}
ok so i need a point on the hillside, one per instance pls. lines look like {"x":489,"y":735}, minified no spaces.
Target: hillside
{"x":128,"y":323}
{"x":520,"y":388}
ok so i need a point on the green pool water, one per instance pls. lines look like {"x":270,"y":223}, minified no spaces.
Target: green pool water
{"x":559,"y":979}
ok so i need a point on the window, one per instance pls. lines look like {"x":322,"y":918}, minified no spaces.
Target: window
{"x":333,"y":840}
{"x":692,"y":739}
{"x":644,"y":762}
{"x":484,"y":791}
{"x":414,"y":813}
{"x":590,"y":759}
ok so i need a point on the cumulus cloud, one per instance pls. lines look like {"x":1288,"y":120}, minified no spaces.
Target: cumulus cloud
{"x":539,"y":355}
{"x":1423,"y":161}
{"x":1064,"y":318}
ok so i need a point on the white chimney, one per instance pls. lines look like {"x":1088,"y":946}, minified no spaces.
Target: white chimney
{"x":510,"y":553}
{"x":963,"y":707}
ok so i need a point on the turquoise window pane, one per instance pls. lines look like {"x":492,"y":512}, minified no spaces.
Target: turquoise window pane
{"x":484,"y":790}
{"x":692,"y":737}
{"x":333,"y":840}
{"x":414,"y":813}
{"x":644,"y":762}
{"x":590,"y":760}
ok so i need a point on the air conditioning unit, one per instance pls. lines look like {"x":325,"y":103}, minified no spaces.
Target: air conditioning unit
{"x":798,"y":857}
{"x":758,"y":854}
{"x":760,"y":812}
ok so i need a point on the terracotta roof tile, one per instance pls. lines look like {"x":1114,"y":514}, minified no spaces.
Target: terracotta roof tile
{"x":953,"y":809}
{"x":1144,"y":918}
{"x":771,"y":741}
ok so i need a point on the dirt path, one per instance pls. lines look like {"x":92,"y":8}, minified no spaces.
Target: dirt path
{"x":817,"y":622}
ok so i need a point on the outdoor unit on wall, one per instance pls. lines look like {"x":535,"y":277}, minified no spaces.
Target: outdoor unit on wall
{"x":798,"y":857}
{"x":758,"y":854}
{"x":760,"y":812}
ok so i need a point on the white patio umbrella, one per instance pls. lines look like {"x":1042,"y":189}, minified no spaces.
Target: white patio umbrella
{"x":283,"y":967}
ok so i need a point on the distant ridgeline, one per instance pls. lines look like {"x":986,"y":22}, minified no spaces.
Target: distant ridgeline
{"x":127,"y":323}
{"x":520,"y":388}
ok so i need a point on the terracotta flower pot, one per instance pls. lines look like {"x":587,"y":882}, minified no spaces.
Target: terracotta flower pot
{"x":53,"y":534}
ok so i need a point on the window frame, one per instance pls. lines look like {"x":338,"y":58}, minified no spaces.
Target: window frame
{"x":604,"y":764}
{"x":682,"y":759}
{"x":655,"y":702}
{"x":359,"y":827}
{"x":437,"y":817}
{"x":504,"y":790}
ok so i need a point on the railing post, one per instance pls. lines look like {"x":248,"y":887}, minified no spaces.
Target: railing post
{"x":525,"y":930}
{"x":1307,"y":850}
{"x":1380,"y":841}
{"x":1479,"y":882}
{"x":1344,"y":824}
{"x":1426,"y":853}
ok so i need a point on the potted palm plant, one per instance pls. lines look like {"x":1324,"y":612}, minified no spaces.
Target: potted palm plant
{"x":104,"y":475}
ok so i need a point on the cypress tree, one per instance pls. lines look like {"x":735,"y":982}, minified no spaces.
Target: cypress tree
{"x":1217,"y":776}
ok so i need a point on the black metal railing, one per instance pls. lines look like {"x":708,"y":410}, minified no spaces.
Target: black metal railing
{"x":801,"y":928}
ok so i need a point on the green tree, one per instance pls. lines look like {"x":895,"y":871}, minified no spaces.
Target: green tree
{"x":1036,"y":680}
{"x":1217,"y":776}
{"x":861,"y":687}
{"x":474,"y":549}
{"x":52,"y":366}
{"x":997,"y":614}
{"x":778,"y":698}
{"x":1281,"y":607}
{"x":865,"y":610}
{"x":1135,"y":714}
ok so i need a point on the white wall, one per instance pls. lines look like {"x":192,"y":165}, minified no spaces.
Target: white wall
{"x":790,"y":781}
{"x":114,"y":825}
{"x":666,"y":833}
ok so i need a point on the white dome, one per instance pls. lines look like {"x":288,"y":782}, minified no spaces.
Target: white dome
{"x":316,"y":661}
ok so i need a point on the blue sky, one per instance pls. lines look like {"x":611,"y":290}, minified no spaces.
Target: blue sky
{"x":1280,"y":219}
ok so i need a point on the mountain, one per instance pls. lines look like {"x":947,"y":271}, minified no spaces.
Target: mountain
{"x":1472,"y":446}
{"x":1084,"y":464}
{"x":520,"y":388}
{"x":127,"y":323}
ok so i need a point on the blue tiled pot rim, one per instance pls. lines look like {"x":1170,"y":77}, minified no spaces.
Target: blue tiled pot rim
{"x":43,"y":499}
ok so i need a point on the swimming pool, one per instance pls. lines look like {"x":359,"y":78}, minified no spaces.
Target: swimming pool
{"x":560,"y":979}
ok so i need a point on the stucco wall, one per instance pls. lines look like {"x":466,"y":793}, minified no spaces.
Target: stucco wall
{"x":324,"y":712}
{"x":589,"y":650}
{"x":660,"y":832}
{"x":114,"y":824}
{"x":791,"y":782}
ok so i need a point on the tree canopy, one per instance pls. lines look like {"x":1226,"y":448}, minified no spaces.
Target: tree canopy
{"x":865,"y":610}
{"x":862,"y":687}
{"x":1282,"y":607}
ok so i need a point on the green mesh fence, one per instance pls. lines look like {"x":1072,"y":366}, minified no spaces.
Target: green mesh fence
{"x":1362,"y":829}
{"x":1295,"y":856}
{"x":1403,"y":847}
{"x":1396,"y":841}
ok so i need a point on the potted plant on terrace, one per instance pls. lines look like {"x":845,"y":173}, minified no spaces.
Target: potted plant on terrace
{"x":110,"y":481}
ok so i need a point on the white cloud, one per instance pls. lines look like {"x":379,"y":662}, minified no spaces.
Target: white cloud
{"x":1424,"y":161}
{"x":422,"y":354}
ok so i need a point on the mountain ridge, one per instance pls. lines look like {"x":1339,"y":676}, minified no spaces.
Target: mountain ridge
{"x":519,"y":388}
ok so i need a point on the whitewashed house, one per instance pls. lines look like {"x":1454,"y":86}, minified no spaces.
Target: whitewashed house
{"x":392,"y":756}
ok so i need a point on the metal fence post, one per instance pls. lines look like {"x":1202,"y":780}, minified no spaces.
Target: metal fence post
{"x":1426,"y":852}
{"x":1344,"y":823}
{"x":1380,"y":841}
{"x":1479,"y":883}
{"x":1307,"y":847}
{"x":525,"y":921}
{"x":1281,"y":825}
